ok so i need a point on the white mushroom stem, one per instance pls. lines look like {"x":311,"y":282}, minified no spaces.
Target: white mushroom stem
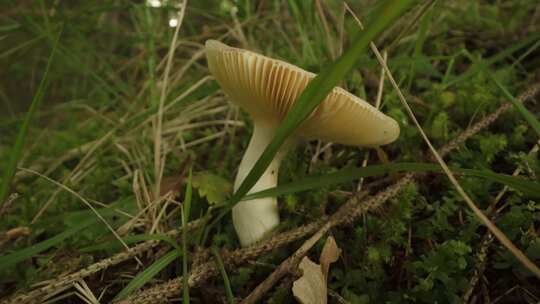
{"x":253,"y":219}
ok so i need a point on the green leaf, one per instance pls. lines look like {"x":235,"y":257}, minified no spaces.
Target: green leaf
{"x":215,"y":188}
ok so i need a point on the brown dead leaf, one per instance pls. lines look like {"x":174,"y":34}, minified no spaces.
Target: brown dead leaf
{"x":17,"y":232}
{"x":330,"y":254}
{"x":171,"y":184}
{"x":311,"y":287}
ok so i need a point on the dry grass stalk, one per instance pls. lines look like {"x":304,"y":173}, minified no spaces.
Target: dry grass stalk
{"x":7,"y":203}
{"x":487,"y":239}
{"x":159,"y":158}
{"x":42,"y":293}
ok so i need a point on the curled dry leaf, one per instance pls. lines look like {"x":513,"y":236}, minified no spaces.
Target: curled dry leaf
{"x":17,"y":232}
{"x":171,"y":184}
{"x":311,"y":287}
{"x":330,"y":254}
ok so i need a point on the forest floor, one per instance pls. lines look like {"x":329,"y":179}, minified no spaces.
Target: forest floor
{"x":130,"y":108}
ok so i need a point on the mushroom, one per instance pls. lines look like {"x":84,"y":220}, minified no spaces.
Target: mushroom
{"x":266,"y":88}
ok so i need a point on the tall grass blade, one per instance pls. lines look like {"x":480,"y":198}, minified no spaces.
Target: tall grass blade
{"x":527,"y":115}
{"x":14,"y":157}
{"x":186,"y":208}
{"x":477,"y":67}
{"x":529,"y":188}
{"x":226,"y":282}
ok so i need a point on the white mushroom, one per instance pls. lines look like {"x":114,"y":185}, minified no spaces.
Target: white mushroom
{"x":266,"y":88}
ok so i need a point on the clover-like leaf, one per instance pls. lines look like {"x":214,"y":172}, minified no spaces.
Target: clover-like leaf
{"x":214,"y":187}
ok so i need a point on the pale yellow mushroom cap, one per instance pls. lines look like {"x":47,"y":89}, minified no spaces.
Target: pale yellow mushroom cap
{"x":267,"y":88}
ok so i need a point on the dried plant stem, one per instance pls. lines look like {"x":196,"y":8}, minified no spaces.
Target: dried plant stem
{"x":6,"y":205}
{"x":487,"y":239}
{"x":85,"y":201}
{"x":481,"y":260}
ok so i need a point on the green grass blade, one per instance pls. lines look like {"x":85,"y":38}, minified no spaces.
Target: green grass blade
{"x":527,"y":115}
{"x":350,"y":174}
{"x":476,"y":67}
{"x":149,"y":273}
{"x":23,"y":254}
{"x":9,"y":170}
{"x":423,"y":30}
{"x":319,"y":88}
{"x":20,"y":255}
{"x":226,"y":282}
{"x":186,"y":208}
{"x":528,"y":187}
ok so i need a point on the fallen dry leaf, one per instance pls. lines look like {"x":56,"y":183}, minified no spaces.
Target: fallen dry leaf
{"x":17,"y":232}
{"x":330,"y":254}
{"x":311,"y":287}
